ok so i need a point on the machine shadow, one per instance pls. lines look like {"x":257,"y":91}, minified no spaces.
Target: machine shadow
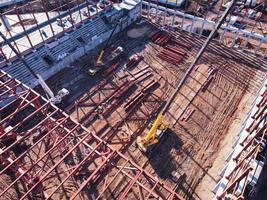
{"x":161,"y":156}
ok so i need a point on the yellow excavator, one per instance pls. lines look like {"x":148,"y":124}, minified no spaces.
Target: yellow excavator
{"x":152,"y":137}
{"x":160,"y":125}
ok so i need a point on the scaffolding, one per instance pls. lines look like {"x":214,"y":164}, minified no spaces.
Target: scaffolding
{"x":46,"y":154}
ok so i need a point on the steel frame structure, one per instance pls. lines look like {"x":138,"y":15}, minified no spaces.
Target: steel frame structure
{"x":47,"y":154}
{"x":105,"y":97}
{"x":27,"y":37}
{"x":157,"y":13}
{"x":78,"y":12}
{"x":246,"y":159}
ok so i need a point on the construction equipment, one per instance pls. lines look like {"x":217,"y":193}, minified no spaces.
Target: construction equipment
{"x":114,"y":54}
{"x":99,"y":61}
{"x":55,"y":99}
{"x":160,"y":125}
{"x":99,"y":64}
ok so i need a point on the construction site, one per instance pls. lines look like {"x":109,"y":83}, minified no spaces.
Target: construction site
{"x":133,"y":100}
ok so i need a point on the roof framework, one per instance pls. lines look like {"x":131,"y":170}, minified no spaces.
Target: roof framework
{"x":45,"y":154}
{"x":34,"y":23}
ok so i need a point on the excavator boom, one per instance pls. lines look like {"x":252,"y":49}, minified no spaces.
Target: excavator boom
{"x":99,"y":61}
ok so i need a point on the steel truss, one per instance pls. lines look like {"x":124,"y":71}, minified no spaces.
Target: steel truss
{"x":102,"y":100}
{"x":249,"y":155}
{"x":46,"y":154}
{"x":23,"y":25}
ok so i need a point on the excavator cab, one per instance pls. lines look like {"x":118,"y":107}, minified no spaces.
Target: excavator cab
{"x":144,"y":143}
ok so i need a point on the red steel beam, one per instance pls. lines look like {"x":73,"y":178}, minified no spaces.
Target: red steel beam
{"x":35,"y":20}
{"x":23,"y":27}
{"x":64,"y":136}
{"x":46,"y":13}
{"x":236,"y":181}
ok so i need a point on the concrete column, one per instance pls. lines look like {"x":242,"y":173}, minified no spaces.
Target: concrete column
{"x":182,"y":26}
{"x":192,"y":25}
{"x":202,"y":27}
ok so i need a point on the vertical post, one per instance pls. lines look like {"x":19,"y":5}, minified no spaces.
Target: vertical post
{"x":165,"y":13}
{"x":174,"y":14}
{"x":96,"y":9}
{"x":222,"y":35}
{"x":246,"y":43}
{"x":148,"y":10}
{"x":69,"y":12}
{"x":79,"y":8}
{"x":258,"y":47}
{"x":87,"y":6}
{"x":218,"y":14}
{"x":235,"y":38}
{"x":182,"y":26}
{"x":202,"y":27}
{"x":192,"y":25}
{"x":59,"y":15}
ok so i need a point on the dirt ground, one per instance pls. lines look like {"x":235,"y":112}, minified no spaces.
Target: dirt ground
{"x":204,"y":190}
{"x":217,"y":94}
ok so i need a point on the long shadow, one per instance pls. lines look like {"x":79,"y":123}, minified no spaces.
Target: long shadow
{"x":160,"y":157}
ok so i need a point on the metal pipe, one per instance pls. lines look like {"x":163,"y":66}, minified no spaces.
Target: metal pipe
{"x":200,"y":53}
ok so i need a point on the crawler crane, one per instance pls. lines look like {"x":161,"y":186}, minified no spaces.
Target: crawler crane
{"x":160,"y":125}
{"x":99,"y":64}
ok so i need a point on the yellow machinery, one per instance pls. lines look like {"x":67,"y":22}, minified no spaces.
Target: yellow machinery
{"x":158,"y":128}
{"x":160,"y":125}
{"x":99,"y":60}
